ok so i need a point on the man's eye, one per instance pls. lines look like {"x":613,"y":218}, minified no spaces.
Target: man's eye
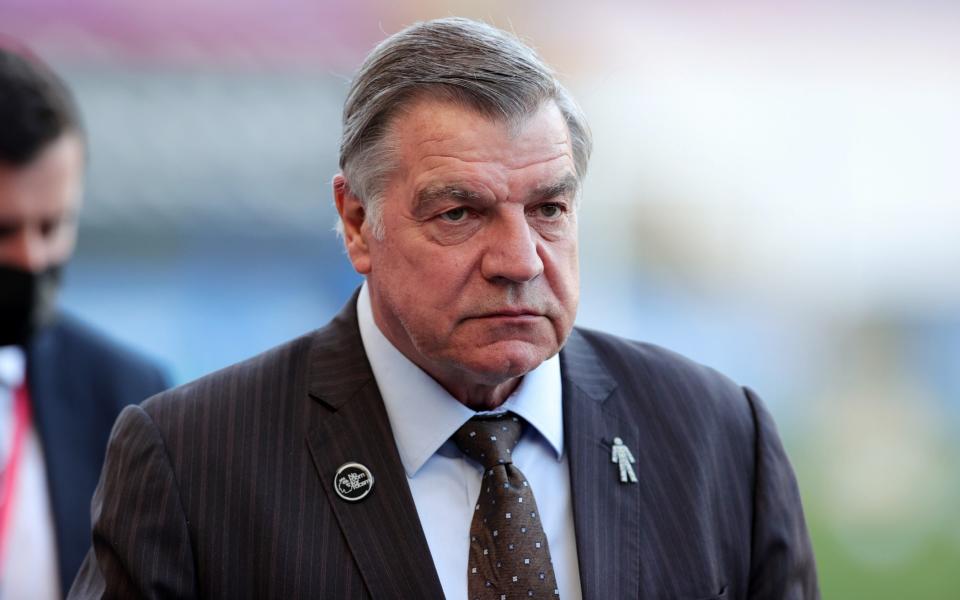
{"x":454,"y":215}
{"x":550,"y":211}
{"x":48,"y":228}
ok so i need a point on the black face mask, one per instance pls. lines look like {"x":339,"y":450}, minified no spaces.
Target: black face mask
{"x":27,"y":302}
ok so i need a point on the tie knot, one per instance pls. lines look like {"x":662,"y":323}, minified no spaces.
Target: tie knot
{"x":490,"y":440}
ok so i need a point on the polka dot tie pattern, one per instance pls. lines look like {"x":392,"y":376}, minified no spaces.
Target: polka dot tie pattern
{"x":509,"y":557}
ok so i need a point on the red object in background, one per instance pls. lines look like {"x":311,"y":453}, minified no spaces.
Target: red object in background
{"x":21,"y":416}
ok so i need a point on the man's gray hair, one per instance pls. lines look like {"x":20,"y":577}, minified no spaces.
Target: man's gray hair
{"x":452,"y":59}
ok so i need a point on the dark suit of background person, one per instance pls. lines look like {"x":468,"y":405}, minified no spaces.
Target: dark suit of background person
{"x":224,"y":487}
{"x":77,"y":380}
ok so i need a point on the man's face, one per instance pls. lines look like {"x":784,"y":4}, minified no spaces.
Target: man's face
{"x":38,"y":207}
{"x":476,"y":278}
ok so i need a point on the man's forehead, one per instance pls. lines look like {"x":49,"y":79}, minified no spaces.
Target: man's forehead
{"x":48,"y":187}
{"x":431,"y":124}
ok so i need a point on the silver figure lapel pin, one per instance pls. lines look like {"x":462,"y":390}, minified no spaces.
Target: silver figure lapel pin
{"x":621,"y":455}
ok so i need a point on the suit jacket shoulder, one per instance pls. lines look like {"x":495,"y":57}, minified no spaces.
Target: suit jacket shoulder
{"x":673,"y":389}
{"x":290,"y":370}
{"x":716,"y":493}
{"x":236,"y":387}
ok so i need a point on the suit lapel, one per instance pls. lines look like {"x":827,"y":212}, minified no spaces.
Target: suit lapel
{"x":606,"y":512}
{"x":53,"y":422}
{"x":383,"y":530}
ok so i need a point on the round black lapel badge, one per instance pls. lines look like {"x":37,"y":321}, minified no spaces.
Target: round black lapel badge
{"x":353,"y":481}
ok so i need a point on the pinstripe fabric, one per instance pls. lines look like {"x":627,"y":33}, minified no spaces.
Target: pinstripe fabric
{"x":716,"y":512}
{"x":223,"y":488}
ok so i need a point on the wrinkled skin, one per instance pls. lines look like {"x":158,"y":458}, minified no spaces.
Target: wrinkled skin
{"x":476,"y":279}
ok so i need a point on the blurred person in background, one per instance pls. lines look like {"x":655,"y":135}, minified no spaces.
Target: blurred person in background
{"x":451,"y":433}
{"x":62,"y":383}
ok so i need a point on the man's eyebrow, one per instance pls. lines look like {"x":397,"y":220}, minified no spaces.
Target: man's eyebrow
{"x":436,"y":193}
{"x":567,"y":186}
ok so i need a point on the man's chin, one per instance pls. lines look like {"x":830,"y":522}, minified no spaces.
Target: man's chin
{"x":496,"y":363}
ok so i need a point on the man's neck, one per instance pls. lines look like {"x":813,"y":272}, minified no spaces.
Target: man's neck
{"x":482,"y":397}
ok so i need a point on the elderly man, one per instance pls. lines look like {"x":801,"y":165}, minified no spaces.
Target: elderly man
{"x":62,"y":384}
{"x":450,"y":433}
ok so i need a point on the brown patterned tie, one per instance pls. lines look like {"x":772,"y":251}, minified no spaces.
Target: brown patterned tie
{"x":509,"y":557}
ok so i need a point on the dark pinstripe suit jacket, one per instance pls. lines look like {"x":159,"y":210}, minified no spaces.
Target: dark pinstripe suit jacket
{"x":222,"y":488}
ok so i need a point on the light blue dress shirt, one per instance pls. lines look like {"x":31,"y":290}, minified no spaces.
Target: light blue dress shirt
{"x":445,"y":485}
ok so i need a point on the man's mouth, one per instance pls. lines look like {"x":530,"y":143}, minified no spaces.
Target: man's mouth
{"x":509,"y":313}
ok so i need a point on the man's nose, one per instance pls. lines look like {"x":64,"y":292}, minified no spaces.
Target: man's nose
{"x":25,"y":249}
{"x":512,"y":250}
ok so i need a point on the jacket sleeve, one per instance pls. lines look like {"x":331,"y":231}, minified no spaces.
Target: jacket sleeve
{"x":141,"y":544}
{"x":781,"y":562}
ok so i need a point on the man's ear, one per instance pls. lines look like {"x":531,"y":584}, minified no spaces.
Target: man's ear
{"x":352,"y":218}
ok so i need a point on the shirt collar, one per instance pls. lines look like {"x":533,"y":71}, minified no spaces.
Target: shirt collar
{"x":12,"y":366}
{"x":423,"y":415}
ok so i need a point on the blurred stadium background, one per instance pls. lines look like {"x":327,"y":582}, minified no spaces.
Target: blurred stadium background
{"x":775,"y":192}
